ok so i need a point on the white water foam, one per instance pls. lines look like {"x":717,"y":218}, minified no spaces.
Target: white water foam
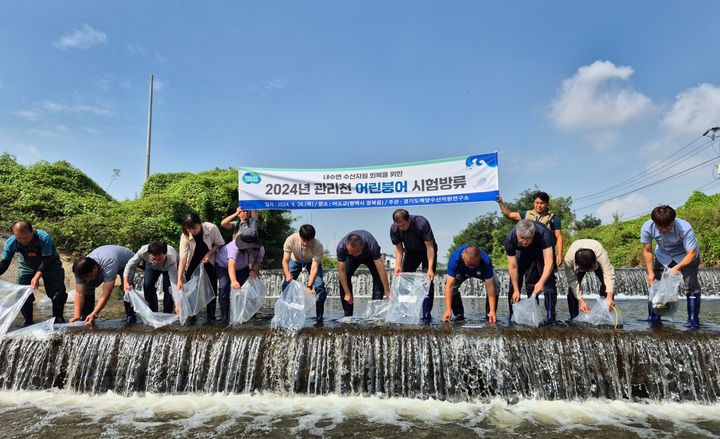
{"x":319,"y":416}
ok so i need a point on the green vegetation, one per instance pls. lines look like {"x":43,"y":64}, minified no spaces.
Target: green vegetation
{"x":80,"y":215}
{"x":621,"y":239}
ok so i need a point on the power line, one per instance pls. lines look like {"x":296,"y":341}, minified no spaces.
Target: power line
{"x":651,"y":172}
{"x":641,"y":174}
{"x":677,"y":174}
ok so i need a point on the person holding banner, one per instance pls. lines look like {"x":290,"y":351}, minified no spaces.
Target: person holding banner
{"x":302,"y":251}
{"x":356,"y":248}
{"x":465,"y":262}
{"x":415,"y":245}
{"x":38,"y":260}
{"x":159,"y":259}
{"x":101,"y":267}
{"x":529,"y":245}
{"x":198,"y":244}
{"x":240,"y":218}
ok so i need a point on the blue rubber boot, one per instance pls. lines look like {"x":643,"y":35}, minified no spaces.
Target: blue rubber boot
{"x":652,"y":317}
{"x":550,"y":302}
{"x":693,"y":309}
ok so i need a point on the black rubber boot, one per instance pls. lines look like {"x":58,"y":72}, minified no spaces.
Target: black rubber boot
{"x":57,"y":311}
{"x":27,"y":313}
{"x":224,"y":309}
{"x":210,"y":313}
{"x":693,"y":309}
{"x":319,"y":310}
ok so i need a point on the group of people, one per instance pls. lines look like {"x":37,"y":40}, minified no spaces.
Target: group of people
{"x":534,"y":249}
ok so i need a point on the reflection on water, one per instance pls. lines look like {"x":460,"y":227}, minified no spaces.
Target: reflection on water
{"x":53,"y":414}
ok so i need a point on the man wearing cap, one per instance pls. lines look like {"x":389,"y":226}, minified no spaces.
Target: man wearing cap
{"x":356,"y":248}
{"x":38,"y":260}
{"x":235,"y":262}
{"x":585,"y":256}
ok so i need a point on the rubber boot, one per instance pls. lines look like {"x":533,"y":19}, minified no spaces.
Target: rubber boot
{"x":27,"y":313}
{"x":652,"y":317}
{"x":319,"y":310}
{"x":224,"y":309}
{"x":550,"y":302}
{"x":130,"y":317}
{"x":57,"y":310}
{"x":427,"y":309}
{"x":693,"y":309}
{"x":210,"y":313}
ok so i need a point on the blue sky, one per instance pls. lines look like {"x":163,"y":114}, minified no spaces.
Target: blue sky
{"x":575,"y":96}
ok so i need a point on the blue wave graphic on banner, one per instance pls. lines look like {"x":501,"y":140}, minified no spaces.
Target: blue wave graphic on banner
{"x":490,"y":160}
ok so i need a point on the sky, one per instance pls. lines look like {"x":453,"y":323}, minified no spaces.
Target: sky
{"x":591,"y":100}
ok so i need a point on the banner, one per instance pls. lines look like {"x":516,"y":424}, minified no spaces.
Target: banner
{"x":456,"y":180}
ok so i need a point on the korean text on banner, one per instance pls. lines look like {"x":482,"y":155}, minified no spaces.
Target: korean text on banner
{"x":456,"y":180}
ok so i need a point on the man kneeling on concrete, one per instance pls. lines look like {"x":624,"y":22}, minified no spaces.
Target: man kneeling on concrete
{"x":159,"y":259}
{"x":585,"y":256}
{"x":101,"y":267}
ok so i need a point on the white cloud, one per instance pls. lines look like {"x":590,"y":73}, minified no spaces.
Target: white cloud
{"x":136,"y":48}
{"x":598,"y":98}
{"x":81,"y":108}
{"x":91,"y":130}
{"x":159,"y":85}
{"x":27,"y":114}
{"x":104,"y":82}
{"x":630,"y":205}
{"x":82,"y":38}
{"x":694,"y":108}
{"x":24,"y":152}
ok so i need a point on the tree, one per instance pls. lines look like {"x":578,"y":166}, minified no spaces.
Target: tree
{"x":588,"y":222}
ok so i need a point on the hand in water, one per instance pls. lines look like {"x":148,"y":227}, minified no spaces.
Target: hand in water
{"x":348,"y":298}
{"x":446,"y":315}
{"x":491,"y":317}
{"x":584,"y":307}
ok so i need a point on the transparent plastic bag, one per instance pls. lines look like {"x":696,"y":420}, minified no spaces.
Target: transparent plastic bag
{"x":44,"y":303}
{"x":70,"y":298}
{"x":38,"y":331}
{"x":601,"y":315}
{"x":12,"y":298}
{"x":195,"y":295}
{"x":246,"y":301}
{"x":527,"y":312}
{"x":408,"y":292}
{"x":291,"y":308}
{"x":663,"y":294}
{"x":375,"y":310}
{"x":149,"y":317}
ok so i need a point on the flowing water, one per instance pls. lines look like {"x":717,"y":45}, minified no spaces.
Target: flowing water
{"x":365,"y":379}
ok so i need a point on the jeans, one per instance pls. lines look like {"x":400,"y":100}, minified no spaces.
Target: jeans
{"x":318,"y":284}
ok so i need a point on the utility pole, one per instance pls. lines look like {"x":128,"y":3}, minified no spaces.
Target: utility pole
{"x":149,"y":130}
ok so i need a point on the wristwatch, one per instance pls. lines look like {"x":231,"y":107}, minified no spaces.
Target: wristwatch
{"x":95,"y":315}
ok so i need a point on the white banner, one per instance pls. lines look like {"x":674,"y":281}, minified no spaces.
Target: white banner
{"x":455,"y":180}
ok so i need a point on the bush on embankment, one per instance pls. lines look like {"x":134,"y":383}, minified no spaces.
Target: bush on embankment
{"x":80,"y":215}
